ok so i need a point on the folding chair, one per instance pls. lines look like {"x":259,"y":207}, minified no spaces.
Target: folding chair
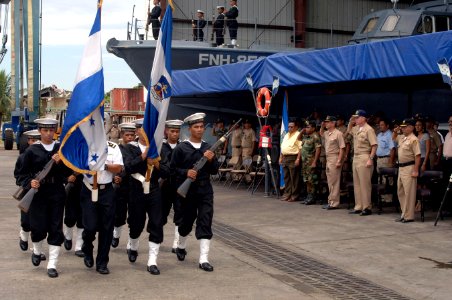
{"x":257,"y":175}
{"x":242,"y":172}
{"x":429,"y":179}
{"x":223,"y":164}
{"x":226,"y":172}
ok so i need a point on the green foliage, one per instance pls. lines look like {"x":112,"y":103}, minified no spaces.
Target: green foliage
{"x":5,"y":95}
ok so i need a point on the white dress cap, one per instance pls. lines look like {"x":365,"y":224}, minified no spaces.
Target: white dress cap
{"x":46,"y":123}
{"x":138,"y":123}
{"x":174,"y":123}
{"x":195,"y":118}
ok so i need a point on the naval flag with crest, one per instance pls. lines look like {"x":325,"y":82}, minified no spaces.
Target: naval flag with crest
{"x":444,"y":69}
{"x":159,"y":88}
{"x":284,"y":129}
{"x":83,"y":141}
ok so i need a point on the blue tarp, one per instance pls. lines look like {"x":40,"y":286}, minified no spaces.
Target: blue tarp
{"x":411,"y":56}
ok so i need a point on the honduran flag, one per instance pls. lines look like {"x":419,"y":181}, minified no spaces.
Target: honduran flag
{"x":83,"y":141}
{"x":159,"y":88}
{"x":284,"y":128}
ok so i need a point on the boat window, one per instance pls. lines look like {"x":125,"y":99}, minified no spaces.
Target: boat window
{"x":426,"y":25}
{"x":441,"y":23}
{"x":370,"y":25}
{"x":390,"y":23}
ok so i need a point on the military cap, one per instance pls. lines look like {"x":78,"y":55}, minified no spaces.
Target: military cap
{"x":200,"y":11}
{"x":220,"y":6}
{"x":33,"y":134}
{"x":47,"y":123}
{"x":407,"y":122}
{"x":311,"y":123}
{"x":195,"y":118}
{"x":127,"y":126}
{"x":330,"y":119}
{"x":138,"y":123}
{"x":174,"y":124}
{"x":360,"y":113}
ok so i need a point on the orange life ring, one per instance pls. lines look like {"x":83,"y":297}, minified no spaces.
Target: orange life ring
{"x":263,"y":93}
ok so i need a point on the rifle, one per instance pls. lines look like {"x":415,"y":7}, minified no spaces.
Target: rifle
{"x":25,"y":201}
{"x":213,"y":27}
{"x":185,"y":186}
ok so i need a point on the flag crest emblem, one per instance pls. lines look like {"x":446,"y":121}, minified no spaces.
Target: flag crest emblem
{"x":162,"y":89}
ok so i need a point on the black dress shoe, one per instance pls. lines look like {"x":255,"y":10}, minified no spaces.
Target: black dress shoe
{"x":366,"y":212}
{"x":88,"y":260}
{"x":133,"y":254}
{"x":399,"y":219}
{"x":206,"y":267}
{"x":35,"y":259}
{"x":115,"y":242}
{"x":331,"y":207}
{"x":407,"y":221}
{"x":325,"y":206}
{"x":181,"y":253}
{"x":173,"y":250}
{"x":355,"y":212}
{"x":43,"y":257}
{"x":310,"y":202}
{"x":23,"y":245}
{"x":153,"y":270}
{"x":52,"y":273}
{"x":103,"y":270}
{"x":67,"y":244}
{"x":79,"y":253}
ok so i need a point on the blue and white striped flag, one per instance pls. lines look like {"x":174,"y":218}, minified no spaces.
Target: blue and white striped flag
{"x":444,"y":69}
{"x":159,"y":89}
{"x":83,"y":141}
{"x":284,"y":128}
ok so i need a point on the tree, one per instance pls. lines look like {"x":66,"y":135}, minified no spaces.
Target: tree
{"x":5,"y":94}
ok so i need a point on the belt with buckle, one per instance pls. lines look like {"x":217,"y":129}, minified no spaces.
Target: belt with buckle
{"x":401,"y":165}
{"x":384,"y":156}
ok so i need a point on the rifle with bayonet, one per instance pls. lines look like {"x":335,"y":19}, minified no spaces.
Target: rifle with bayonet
{"x":26,"y":196}
{"x":185,"y":186}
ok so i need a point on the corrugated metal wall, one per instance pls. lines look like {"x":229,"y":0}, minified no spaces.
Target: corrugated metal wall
{"x":329,"y":23}
{"x":251,"y":12}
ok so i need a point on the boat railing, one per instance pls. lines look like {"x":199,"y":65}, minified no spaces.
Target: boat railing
{"x":256,"y":33}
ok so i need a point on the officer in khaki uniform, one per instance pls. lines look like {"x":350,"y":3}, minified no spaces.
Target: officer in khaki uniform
{"x":334,"y":149}
{"x":248,"y":140}
{"x":409,"y":154}
{"x":236,"y":144}
{"x":365,"y":146}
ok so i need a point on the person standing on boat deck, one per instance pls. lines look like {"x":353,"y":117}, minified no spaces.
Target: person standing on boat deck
{"x":232,"y":23}
{"x":198,"y":26}
{"x":153,"y":19}
{"x":218,"y":26}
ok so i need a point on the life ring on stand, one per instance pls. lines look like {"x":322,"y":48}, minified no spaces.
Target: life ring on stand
{"x":263,"y":93}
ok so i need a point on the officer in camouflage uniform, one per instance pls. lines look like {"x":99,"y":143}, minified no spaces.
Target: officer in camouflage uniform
{"x":310,"y":153}
{"x":218,"y":131}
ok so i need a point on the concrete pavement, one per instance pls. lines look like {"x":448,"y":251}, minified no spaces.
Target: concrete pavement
{"x":408,"y":259}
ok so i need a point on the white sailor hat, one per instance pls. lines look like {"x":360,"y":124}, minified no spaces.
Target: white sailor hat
{"x":200,"y":11}
{"x":33,"y":134}
{"x":138,"y":123}
{"x":127,"y":127}
{"x":174,"y":124}
{"x":46,"y":123}
{"x":195,"y":118}
{"x":220,"y":6}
